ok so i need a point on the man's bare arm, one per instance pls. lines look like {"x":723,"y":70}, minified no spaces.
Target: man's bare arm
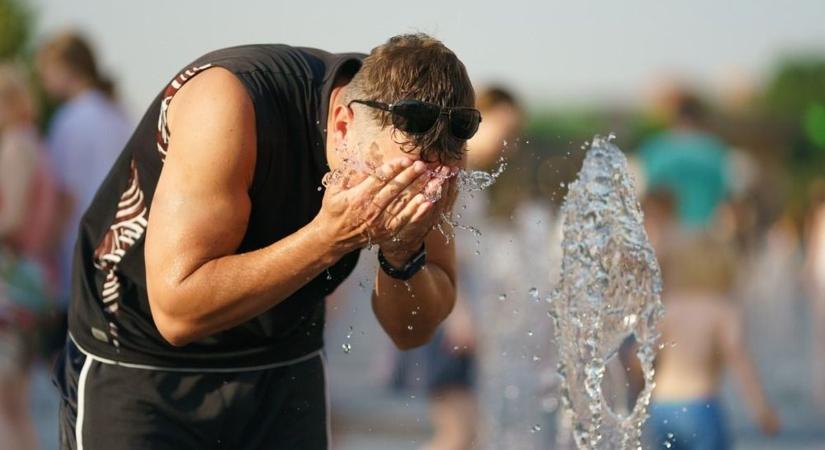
{"x":410,"y":313}
{"x":197,"y":285}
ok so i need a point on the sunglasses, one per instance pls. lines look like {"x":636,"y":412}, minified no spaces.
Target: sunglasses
{"x":417,"y":117}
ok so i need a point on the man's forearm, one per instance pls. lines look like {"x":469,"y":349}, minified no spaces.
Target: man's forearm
{"x":410,"y":312}
{"x":230,"y":290}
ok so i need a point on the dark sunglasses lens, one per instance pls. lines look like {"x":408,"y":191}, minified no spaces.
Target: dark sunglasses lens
{"x":414,"y":117}
{"x":464,"y":123}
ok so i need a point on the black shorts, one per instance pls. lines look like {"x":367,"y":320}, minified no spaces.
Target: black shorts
{"x":106,"y":406}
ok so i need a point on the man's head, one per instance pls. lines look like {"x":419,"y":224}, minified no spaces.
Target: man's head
{"x":407,"y":67}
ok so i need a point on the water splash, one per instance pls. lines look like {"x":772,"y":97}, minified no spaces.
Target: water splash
{"x":346,"y":346}
{"x":355,"y":164}
{"x":609,"y":289}
{"x":479,"y":180}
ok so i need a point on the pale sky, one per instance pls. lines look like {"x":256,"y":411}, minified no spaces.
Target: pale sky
{"x":550,"y":52}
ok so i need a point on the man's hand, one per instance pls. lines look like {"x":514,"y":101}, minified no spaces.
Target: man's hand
{"x":440,"y":191}
{"x":362,"y":209}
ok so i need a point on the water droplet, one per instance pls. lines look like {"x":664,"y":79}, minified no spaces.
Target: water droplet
{"x":536,"y":358}
{"x":534,"y":294}
{"x":530,"y":333}
{"x":535,"y":428}
{"x":502,"y":297}
{"x":410,"y":327}
{"x":320,"y":188}
{"x":346,"y":347}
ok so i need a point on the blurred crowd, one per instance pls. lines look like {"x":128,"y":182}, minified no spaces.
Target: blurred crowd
{"x":734,"y":205}
{"x":734,"y":281}
{"x":46,"y":183}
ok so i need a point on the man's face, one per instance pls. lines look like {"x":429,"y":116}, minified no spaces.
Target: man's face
{"x":374,"y":145}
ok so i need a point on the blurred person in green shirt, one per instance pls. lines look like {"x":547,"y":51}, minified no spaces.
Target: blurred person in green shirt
{"x":689,"y":162}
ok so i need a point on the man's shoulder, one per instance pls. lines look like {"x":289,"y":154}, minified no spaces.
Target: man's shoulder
{"x":304,"y":62}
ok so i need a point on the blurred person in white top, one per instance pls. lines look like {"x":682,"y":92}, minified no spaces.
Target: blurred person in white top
{"x":86,"y":133}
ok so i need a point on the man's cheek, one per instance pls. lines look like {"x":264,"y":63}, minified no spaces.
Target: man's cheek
{"x":375,"y":157}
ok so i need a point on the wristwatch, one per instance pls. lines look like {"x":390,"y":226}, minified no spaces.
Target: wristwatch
{"x":411,"y":268}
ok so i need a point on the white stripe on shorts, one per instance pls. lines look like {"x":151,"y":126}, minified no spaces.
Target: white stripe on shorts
{"x":81,"y":402}
{"x":112,"y":362}
{"x":328,"y":403}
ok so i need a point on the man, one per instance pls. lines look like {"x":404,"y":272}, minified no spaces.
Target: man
{"x":207,"y":331}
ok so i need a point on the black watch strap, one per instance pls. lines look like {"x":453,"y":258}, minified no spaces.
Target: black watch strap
{"x":411,"y":268}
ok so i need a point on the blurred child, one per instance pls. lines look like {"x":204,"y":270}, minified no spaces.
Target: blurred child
{"x":703,"y":335}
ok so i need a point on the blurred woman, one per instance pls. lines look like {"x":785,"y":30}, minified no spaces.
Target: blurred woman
{"x":86,"y":134}
{"x":27,"y":200}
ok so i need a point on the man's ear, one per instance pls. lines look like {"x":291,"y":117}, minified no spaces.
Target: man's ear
{"x":342,"y":119}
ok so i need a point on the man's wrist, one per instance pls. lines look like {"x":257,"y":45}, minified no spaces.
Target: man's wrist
{"x":331,"y":250}
{"x":399,"y":257}
{"x":407,"y":269}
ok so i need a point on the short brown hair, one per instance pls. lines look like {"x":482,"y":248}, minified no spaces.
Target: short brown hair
{"x":420,"y":67}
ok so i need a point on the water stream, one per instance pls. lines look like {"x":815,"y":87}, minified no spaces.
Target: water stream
{"x":609,"y":289}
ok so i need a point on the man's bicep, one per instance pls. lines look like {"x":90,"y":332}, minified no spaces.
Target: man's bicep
{"x":201,"y":205}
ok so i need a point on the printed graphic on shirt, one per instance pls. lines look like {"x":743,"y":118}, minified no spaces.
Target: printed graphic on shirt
{"x":131,"y":218}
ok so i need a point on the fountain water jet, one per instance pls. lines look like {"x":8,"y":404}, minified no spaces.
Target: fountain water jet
{"x":609,"y":289}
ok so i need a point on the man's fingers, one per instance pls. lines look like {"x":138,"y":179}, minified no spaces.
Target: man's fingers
{"x":402,"y":199}
{"x":448,"y":201}
{"x":384,"y":174}
{"x":409,"y":213}
{"x":388,"y":193}
{"x":433,"y":189}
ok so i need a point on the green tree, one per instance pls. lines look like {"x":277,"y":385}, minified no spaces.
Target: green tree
{"x":15,"y":28}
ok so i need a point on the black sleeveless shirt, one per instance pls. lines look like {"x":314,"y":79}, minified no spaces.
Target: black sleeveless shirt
{"x":109,"y":314}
